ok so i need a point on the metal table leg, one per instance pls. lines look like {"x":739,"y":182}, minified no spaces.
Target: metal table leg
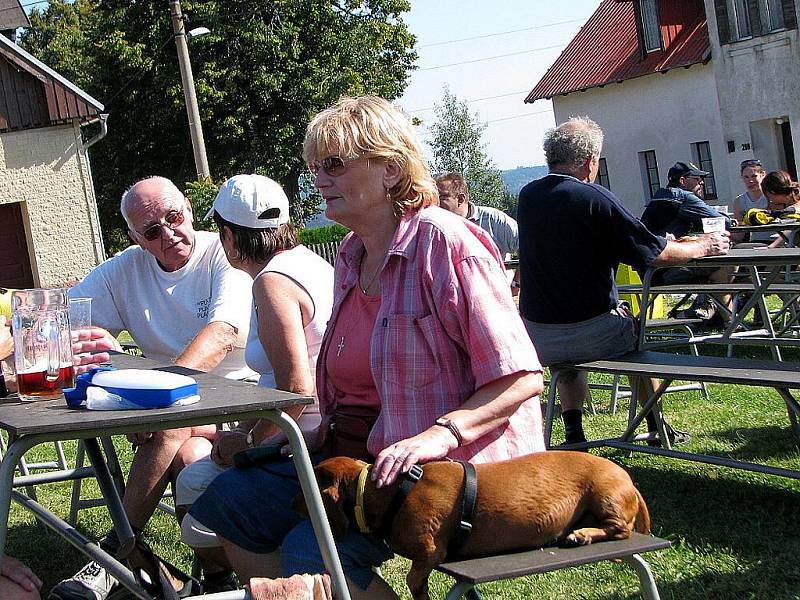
{"x":8,"y":465}
{"x":316,"y":510}
{"x":646,"y":581}
{"x":127,"y":541}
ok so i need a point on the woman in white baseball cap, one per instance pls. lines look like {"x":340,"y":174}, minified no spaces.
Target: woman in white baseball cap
{"x":292,"y":298}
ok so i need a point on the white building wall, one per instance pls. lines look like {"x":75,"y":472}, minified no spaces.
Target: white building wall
{"x":662,"y":112}
{"x":757,"y":81}
{"x":46,"y":170}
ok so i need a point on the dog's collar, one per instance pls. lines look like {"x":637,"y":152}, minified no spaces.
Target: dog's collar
{"x":361,"y":520}
{"x":406,"y":484}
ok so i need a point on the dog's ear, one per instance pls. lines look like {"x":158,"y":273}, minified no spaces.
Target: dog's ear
{"x":333,"y":501}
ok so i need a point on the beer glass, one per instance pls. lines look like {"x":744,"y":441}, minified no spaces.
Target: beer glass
{"x":42,"y":343}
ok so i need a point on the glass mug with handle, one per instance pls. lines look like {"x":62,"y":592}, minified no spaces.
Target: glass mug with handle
{"x":42,"y":343}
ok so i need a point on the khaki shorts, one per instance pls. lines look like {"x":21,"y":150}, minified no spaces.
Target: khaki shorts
{"x":608,"y":335}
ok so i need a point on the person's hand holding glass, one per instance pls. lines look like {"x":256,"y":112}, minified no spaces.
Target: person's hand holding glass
{"x":90,"y":345}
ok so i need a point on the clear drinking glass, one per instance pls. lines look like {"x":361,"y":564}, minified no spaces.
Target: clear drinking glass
{"x":42,"y":343}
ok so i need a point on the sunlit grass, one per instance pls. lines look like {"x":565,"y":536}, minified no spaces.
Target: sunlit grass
{"x":734,"y":533}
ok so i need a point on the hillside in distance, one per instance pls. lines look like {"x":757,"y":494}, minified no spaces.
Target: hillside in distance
{"x":516,"y":179}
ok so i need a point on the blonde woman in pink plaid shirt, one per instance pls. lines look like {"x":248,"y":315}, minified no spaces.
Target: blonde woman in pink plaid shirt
{"x":425,"y":356}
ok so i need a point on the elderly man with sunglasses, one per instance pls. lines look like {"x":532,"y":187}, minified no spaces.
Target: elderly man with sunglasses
{"x":182,"y":302}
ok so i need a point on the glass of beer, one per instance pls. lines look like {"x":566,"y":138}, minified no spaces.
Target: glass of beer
{"x":42,"y":343}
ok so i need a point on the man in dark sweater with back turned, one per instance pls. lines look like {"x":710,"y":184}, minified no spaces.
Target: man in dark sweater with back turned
{"x":573,"y":235}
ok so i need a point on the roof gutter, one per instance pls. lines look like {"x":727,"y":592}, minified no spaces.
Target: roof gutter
{"x":100,"y":135}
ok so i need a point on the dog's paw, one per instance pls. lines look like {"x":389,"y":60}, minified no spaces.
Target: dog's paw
{"x":577,"y":538}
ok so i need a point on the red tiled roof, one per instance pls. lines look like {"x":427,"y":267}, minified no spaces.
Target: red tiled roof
{"x":606,"y":49}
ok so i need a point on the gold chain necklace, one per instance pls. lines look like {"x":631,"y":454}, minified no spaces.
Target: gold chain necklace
{"x":372,"y":279}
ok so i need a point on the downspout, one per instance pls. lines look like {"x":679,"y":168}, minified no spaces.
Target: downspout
{"x":84,"y":147}
{"x":100,"y":135}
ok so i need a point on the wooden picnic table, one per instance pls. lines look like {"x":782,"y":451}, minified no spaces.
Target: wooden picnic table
{"x":790,"y":225}
{"x":221,"y":400}
{"x":776,"y":261}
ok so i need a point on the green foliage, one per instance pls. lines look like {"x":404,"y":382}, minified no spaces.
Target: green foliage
{"x":457,"y":146}
{"x":265,"y":69}
{"x":321,"y":235}
{"x":201,"y":194}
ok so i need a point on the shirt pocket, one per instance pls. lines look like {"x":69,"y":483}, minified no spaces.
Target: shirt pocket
{"x":410,"y":358}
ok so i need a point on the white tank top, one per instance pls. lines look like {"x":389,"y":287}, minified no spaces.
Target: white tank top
{"x":314,"y":275}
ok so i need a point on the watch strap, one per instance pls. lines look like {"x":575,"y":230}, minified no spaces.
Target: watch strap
{"x":451,"y":427}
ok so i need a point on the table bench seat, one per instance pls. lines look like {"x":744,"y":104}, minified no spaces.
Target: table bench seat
{"x":470,"y":572}
{"x":781,"y":376}
{"x":709,"y":288}
{"x":712,"y":369}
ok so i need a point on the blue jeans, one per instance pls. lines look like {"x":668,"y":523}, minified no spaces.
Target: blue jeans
{"x":252,"y":508}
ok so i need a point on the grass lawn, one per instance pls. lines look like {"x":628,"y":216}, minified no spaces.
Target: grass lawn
{"x":734,"y":533}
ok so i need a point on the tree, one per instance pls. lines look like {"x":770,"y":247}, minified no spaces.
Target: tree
{"x":265,"y":69}
{"x":457,"y":146}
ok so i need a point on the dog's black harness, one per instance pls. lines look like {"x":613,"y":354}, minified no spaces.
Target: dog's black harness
{"x":468,"y":501}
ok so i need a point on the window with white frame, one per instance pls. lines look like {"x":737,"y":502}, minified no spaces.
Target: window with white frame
{"x":649,"y":166}
{"x":651,"y":31}
{"x":602,"y":174}
{"x":702,"y":156}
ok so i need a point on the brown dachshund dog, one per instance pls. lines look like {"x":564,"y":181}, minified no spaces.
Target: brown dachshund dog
{"x":568,"y":498}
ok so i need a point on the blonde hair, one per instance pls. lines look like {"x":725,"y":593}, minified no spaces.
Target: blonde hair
{"x":372,"y":127}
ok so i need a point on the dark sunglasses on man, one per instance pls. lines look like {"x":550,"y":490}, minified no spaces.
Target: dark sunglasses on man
{"x":750,"y":163}
{"x":173,"y":219}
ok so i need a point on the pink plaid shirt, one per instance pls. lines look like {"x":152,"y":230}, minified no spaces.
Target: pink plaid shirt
{"x":447,"y":325}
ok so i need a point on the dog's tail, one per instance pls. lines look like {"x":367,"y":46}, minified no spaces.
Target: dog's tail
{"x":642,"y":523}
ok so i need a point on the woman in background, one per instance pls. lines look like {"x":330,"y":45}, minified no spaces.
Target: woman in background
{"x":783,"y":196}
{"x":752,"y":174}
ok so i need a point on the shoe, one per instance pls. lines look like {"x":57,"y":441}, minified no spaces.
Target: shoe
{"x":704,"y":312}
{"x":92,"y":582}
{"x":224,"y":581}
{"x":676,"y":437}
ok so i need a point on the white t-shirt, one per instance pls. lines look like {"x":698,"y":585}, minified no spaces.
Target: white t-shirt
{"x":163,"y":311}
{"x":312,"y":273}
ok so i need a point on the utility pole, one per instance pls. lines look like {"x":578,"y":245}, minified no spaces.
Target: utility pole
{"x":187,"y":79}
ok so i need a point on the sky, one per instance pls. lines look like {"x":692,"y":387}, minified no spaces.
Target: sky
{"x":526,"y":36}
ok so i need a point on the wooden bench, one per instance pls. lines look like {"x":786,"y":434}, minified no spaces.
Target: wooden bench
{"x":781,"y":376}
{"x":657,"y":327}
{"x":471,"y":572}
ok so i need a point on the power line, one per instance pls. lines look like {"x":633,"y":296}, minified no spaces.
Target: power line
{"x":508,"y":32}
{"x":468,"y":62}
{"x":427,"y":108}
{"x":5,"y":8}
{"x":530,"y":114}
{"x":489,"y":122}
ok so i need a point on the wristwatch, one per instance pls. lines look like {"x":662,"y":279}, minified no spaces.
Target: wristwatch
{"x":250,"y":440}
{"x":451,"y":427}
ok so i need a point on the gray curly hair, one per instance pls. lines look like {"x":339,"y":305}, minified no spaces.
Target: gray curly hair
{"x":571,"y":143}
